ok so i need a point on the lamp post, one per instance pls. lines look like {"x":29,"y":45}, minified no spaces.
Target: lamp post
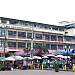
{"x":67,"y":48}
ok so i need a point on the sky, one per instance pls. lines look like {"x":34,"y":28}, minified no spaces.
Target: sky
{"x":42,"y":11}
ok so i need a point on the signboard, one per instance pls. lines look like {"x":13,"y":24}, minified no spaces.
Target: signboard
{"x":73,"y":51}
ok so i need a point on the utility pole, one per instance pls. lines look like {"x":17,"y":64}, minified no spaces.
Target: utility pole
{"x":4,"y":27}
{"x":32,"y":53}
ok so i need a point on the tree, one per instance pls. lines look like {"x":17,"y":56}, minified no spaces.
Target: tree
{"x":40,"y":49}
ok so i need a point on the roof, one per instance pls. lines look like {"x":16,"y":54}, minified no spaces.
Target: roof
{"x":17,"y":20}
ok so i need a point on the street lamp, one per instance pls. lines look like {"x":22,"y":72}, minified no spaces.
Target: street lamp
{"x":67,"y":48}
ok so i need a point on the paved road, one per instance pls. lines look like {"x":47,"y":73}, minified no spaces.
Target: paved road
{"x":36,"y":72}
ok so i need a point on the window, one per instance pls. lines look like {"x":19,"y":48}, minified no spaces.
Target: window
{"x":53,"y":47}
{"x":47,"y":37}
{"x":41,"y":26}
{"x":26,"y":24}
{"x":34,"y":25}
{"x":53,"y":38}
{"x":11,"y":44}
{"x":61,"y":29}
{"x":3,"y":32}
{"x":60,"y":46}
{"x":21,"y":44}
{"x":55,"y":28}
{"x":2,"y":43}
{"x":3,"y":21}
{"x":29,"y":35}
{"x":60,"y":38}
{"x":38,"y":36}
{"x":48,"y":46}
{"x":21,"y":34}
{"x":38,"y":44}
{"x":12,"y":33}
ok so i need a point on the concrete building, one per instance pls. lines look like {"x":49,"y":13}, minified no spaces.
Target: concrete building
{"x":17,"y":34}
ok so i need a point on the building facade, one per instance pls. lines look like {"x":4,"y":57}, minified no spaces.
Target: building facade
{"x":18,"y":35}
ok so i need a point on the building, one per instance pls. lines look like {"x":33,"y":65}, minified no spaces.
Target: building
{"x":17,"y":35}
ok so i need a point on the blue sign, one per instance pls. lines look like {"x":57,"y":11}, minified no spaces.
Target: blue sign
{"x":64,"y":51}
{"x":73,"y":51}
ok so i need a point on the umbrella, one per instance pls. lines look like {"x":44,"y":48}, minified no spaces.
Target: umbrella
{"x":60,"y":56}
{"x":65,"y":57}
{"x":10,"y":59}
{"x":50,"y":55}
{"x":28,"y":58}
{"x":37,"y":57}
{"x":44,"y":57}
{"x":17,"y":57}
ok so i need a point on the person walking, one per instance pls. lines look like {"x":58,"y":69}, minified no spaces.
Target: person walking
{"x":56,"y":65}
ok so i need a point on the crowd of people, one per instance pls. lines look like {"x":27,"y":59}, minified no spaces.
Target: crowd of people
{"x":38,"y":63}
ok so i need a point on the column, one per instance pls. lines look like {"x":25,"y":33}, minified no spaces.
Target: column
{"x":57,"y":37}
{"x":26,"y":35}
{"x":26,"y":44}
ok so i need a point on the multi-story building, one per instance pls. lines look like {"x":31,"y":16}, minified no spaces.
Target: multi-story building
{"x":18,"y":35}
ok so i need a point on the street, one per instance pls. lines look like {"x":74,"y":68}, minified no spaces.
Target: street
{"x":36,"y":72}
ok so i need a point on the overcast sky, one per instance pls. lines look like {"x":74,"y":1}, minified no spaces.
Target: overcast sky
{"x":43,"y":11}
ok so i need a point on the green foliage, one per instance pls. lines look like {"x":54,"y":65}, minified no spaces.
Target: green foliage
{"x":44,"y":48}
{"x":41,"y":48}
{"x":11,"y":54}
